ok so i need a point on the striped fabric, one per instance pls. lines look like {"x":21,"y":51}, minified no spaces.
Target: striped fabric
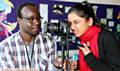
{"x":13,"y":53}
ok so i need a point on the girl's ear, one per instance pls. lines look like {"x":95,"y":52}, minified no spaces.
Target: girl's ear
{"x":90,"y":21}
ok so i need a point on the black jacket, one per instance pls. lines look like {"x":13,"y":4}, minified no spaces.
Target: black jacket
{"x":109,"y":53}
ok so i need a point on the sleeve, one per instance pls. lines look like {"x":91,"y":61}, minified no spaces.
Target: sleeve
{"x":111,"y":53}
{"x":5,"y":58}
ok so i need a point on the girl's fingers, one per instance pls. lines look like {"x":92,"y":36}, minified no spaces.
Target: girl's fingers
{"x":86,"y":49}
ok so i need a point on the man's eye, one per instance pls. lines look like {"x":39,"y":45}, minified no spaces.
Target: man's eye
{"x":29,"y":18}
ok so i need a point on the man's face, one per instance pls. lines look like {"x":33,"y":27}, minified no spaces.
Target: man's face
{"x":30,"y":21}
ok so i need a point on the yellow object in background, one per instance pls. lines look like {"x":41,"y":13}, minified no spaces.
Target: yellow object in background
{"x":118,"y":17}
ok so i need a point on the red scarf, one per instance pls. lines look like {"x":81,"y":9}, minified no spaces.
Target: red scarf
{"x":90,"y":35}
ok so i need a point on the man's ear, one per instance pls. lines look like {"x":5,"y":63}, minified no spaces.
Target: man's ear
{"x":19,"y":20}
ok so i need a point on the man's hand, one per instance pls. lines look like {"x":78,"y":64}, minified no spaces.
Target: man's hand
{"x":73,"y":65}
{"x":58,"y":63}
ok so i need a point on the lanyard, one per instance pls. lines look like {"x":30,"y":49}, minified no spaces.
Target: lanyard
{"x":29,"y":58}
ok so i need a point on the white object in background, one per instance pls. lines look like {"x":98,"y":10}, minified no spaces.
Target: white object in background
{"x":109,"y":14}
{"x":44,"y":13}
{"x":111,"y":24}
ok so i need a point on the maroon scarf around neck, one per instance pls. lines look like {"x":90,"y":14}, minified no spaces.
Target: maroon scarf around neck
{"x":91,"y":35}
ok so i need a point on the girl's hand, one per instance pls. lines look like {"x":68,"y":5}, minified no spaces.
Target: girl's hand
{"x":85,"y":49}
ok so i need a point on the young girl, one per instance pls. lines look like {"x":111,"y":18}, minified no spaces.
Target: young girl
{"x":101,"y":51}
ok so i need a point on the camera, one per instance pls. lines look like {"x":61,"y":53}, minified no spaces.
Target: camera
{"x":60,"y":28}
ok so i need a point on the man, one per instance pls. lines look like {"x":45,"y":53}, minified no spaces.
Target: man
{"x":28,"y":48}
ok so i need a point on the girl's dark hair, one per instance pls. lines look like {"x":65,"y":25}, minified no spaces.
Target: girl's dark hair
{"x":85,"y":10}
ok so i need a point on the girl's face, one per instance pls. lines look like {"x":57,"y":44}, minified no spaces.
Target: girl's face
{"x":78,"y":24}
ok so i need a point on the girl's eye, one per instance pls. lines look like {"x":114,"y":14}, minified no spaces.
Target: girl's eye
{"x":76,"y":22}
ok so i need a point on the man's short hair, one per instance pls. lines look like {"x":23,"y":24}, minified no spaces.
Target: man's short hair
{"x":24,"y":5}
